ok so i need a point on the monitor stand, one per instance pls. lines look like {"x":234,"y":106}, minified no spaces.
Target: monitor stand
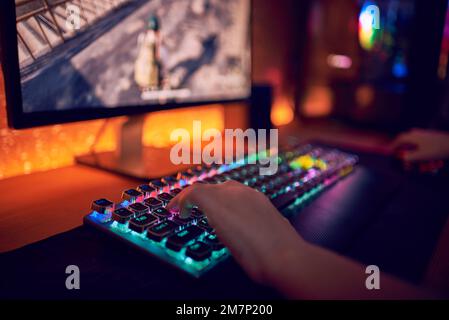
{"x":131,"y":158}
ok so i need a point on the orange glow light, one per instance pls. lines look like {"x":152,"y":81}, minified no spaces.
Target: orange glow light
{"x":318,"y":102}
{"x":282,"y":112}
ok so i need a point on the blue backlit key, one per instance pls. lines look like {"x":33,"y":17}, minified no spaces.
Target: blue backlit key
{"x":159,"y":185}
{"x":122,"y":215}
{"x":102,"y":206}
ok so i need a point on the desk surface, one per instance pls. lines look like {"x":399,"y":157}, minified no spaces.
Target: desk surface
{"x":37,"y":206}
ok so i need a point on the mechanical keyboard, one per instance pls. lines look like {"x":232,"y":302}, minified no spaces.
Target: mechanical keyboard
{"x":141,"y":220}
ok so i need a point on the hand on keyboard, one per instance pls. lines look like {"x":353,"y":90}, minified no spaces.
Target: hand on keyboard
{"x":245,"y":221}
{"x":422,"y":145}
{"x":272,"y":253}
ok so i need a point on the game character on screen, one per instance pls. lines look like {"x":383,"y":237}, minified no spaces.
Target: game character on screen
{"x":147,"y":68}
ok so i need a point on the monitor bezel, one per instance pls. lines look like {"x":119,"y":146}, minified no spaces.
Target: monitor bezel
{"x":18,"y":119}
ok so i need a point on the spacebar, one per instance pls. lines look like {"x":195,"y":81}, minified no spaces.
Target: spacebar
{"x":285,"y":199}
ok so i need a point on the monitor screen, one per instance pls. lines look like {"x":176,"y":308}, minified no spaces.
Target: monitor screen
{"x":78,"y":55}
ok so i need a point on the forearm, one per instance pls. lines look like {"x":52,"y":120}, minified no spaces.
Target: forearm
{"x":309,"y":272}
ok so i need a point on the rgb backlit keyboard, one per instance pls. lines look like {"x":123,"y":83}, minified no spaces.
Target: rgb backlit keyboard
{"x":141,"y":219}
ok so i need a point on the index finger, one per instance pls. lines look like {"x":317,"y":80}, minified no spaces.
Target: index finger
{"x":196,"y":195}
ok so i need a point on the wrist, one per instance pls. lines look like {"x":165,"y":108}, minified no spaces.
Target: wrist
{"x":286,"y":263}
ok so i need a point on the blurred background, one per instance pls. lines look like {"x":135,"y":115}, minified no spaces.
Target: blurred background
{"x":326,"y":61}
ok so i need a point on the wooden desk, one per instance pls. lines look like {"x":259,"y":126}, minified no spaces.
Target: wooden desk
{"x":36,"y":206}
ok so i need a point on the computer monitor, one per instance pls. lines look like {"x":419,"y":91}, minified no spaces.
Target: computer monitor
{"x":71,"y":60}
{"x":67,"y":60}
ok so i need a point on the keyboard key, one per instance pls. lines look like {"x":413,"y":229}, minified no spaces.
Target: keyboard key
{"x":165,"y":197}
{"x":234,"y":174}
{"x":175,"y":192}
{"x":132,"y":195}
{"x":102,"y":206}
{"x":281,"y":201}
{"x":219,"y":178}
{"x":146,"y":190}
{"x":240,"y":179}
{"x":198,"y":251}
{"x":153,"y":203}
{"x":204,"y":224}
{"x":180,"y":239}
{"x":122,"y":215}
{"x":169,"y":180}
{"x":141,"y":223}
{"x":158,"y":185}
{"x":212,"y":240}
{"x":183,"y":222}
{"x":196,"y":213}
{"x":226,"y":176}
{"x":162,"y":213}
{"x":185,"y":175}
{"x":138,"y":209}
{"x":210,"y":181}
{"x":161,"y":230}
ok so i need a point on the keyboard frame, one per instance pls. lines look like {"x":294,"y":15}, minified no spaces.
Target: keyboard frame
{"x":157,"y":249}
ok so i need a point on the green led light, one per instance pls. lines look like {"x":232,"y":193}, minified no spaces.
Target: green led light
{"x":182,"y":234}
{"x":195,"y":246}
{"x":219,"y":253}
{"x":295,"y":165}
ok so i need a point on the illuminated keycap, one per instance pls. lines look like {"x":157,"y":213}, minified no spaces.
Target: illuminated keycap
{"x":102,"y":206}
{"x":141,"y":223}
{"x":199,"y":251}
{"x":180,"y":239}
{"x":165,"y":197}
{"x":159,"y":231}
{"x":146,"y":190}
{"x":212,"y":240}
{"x":122,"y":215}
{"x":162,"y":213}
{"x":132,"y":195}
{"x":153,"y":203}
{"x":138,"y":209}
